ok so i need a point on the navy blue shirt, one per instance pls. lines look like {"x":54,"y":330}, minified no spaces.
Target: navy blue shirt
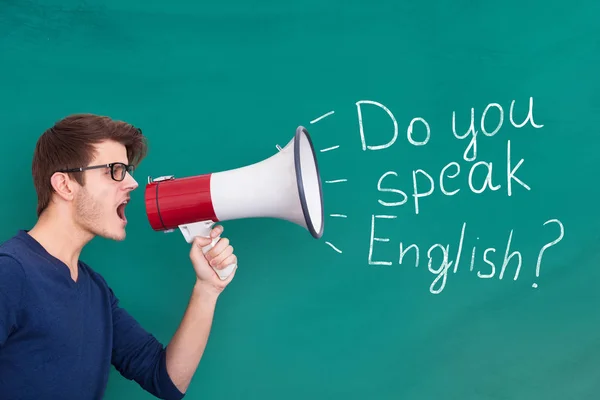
{"x":59,"y":337}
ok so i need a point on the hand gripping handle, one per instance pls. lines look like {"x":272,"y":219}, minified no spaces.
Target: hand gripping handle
{"x":203,"y":229}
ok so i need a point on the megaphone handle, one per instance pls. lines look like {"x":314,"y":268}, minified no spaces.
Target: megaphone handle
{"x":203,"y":228}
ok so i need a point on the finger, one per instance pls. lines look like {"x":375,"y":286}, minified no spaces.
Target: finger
{"x":218,"y":248}
{"x":201,"y":241}
{"x":216,"y":231}
{"x":230,"y":277}
{"x":231,"y":259}
{"x":219,"y":260}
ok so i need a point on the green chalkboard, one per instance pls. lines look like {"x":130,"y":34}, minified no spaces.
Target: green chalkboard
{"x":458,"y":144}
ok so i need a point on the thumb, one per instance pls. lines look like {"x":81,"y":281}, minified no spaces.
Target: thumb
{"x":201,"y":241}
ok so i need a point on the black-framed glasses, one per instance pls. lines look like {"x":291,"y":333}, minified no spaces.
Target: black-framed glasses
{"x":118,"y":170}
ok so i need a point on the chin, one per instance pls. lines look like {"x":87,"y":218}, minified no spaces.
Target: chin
{"x":112,"y":233}
{"x":119,"y":235}
{"x":115,"y":237}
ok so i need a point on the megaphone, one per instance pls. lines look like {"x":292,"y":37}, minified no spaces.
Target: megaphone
{"x":286,"y":186}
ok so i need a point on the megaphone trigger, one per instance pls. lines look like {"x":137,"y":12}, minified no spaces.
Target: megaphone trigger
{"x":203,"y":228}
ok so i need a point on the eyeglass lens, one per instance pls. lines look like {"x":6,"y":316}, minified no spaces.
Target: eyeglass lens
{"x":119,"y":170}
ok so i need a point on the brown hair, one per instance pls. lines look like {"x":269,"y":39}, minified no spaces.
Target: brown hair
{"x":69,"y":144}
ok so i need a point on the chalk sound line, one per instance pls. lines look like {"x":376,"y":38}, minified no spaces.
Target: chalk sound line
{"x":321,"y":117}
{"x":333,"y":247}
{"x":337,"y":181}
{"x":278,"y":147}
{"x":338,"y":215}
{"x":330,"y":148}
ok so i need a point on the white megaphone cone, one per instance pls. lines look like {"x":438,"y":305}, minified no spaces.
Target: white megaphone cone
{"x":286,"y":186}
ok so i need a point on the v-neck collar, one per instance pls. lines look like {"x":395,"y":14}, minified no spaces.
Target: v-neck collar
{"x":62,"y":268}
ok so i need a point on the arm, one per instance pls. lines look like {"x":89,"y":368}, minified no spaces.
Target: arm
{"x":167,"y":373}
{"x":11,"y":289}
{"x":187,"y":345}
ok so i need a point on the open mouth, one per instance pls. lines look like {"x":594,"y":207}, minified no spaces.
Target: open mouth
{"x":121,"y":211}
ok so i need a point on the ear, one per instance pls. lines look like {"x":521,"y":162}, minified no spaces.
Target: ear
{"x":64,"y":186}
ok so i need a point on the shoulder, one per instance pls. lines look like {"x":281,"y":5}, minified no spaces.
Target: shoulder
{"x":21,"y":248}
{"x":11,"y":246}
{"x":12,"y":279}
{"x":11,"y":269}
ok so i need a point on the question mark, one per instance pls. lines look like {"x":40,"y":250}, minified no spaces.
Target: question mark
{"x":547,"y":245}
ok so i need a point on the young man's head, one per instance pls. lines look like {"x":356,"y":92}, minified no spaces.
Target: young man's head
{"x":82,"y":170}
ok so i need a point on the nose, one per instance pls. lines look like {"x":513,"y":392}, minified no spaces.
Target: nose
{"x":130,"y":182}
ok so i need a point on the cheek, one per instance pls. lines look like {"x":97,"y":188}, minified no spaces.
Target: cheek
{"x":103,"y":198}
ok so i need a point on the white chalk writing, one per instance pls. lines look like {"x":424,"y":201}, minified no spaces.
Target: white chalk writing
{"x":442,"y":256}
{"x":424,"y":184}
{"x":470,"y":171}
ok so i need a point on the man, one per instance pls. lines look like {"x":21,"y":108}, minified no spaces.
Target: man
{"x":61,"y":326}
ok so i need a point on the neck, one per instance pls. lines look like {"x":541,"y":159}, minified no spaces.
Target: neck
{"x":61,"y":237}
